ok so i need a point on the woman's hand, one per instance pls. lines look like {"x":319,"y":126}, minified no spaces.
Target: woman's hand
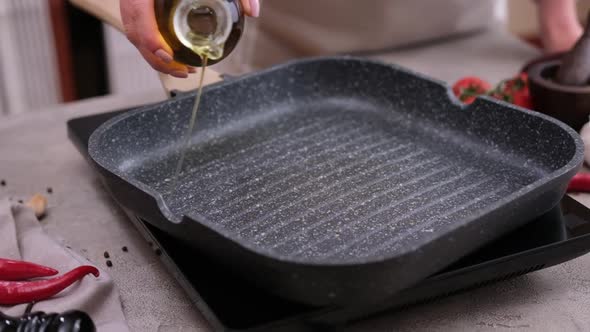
{"x":560,"y":27}
{"x":141,"y":29}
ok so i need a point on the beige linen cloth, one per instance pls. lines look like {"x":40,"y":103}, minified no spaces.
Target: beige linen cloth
{"x":23,"y":238}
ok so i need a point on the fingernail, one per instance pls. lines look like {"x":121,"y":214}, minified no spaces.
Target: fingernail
{"x":179,"y":74}
{"x":255,"y":8}
{"x":163,"y":55}
{"x":192,"y":70}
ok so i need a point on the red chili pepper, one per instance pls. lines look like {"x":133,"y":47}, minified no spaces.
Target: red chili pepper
{"x":580,"y":183}
{"x":17,"y":292}
{"x":468,"y":88}
{"x":11,"y":270}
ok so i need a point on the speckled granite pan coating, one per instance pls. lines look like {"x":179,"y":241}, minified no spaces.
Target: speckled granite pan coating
{"x":333,"y":180}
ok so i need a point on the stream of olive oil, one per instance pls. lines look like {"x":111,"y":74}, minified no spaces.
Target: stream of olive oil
{"x":192,"y":123}
{"x":204,"y":21}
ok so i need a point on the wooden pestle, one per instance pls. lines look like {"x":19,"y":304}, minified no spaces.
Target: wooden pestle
{"x":575,"y":66}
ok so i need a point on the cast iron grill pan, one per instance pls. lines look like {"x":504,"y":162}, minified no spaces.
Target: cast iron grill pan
{"x":337,"y":180}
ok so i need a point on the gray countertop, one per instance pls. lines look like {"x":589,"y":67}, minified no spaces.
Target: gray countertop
{"x":35,"y":154}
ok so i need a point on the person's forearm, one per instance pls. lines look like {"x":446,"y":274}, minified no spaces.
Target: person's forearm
{"x":559,"y":25}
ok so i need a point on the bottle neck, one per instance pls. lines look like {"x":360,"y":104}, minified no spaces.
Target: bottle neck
{"x":203,"y":25}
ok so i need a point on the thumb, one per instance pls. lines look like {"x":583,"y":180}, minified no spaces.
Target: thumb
{"x":251,"y":7}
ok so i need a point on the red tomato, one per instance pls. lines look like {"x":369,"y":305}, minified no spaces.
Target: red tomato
{"x":468,"y":88}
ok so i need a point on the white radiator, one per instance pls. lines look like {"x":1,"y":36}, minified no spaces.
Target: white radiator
{"x":29,"y":79}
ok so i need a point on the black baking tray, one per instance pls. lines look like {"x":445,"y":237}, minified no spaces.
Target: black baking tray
{"x":324,"y":179}
{"x":232,"y":304}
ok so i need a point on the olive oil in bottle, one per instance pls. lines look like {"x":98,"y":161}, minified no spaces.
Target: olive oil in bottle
{"x":197,"y":28}
{"x":200,"y":32}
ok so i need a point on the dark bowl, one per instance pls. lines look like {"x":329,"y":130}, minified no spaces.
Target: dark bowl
{"x":569,"y":104}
